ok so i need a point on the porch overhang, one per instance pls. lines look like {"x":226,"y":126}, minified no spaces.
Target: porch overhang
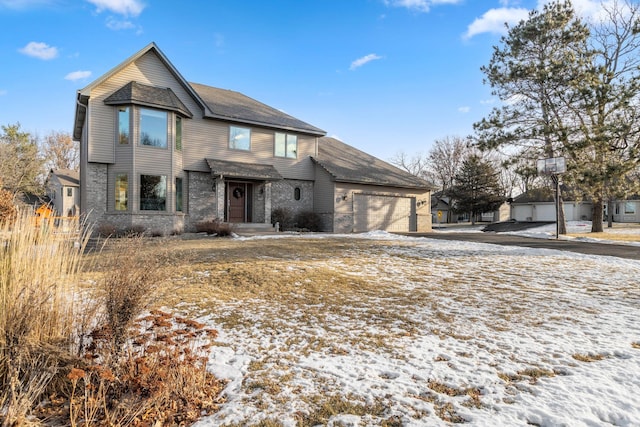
{"x":240,"y":170}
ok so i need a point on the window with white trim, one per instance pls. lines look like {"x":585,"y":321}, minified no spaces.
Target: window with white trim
{"x":285,"y":145}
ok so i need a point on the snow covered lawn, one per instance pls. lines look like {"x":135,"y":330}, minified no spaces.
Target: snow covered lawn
{"x":384,"y":330}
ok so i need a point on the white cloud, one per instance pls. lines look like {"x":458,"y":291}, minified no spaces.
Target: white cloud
{"x":488,"y":101}
{"x":77,"y":75}
{"x":494,"y":20}
{"x":121,"y":7}
{"x":39,"y":50}
{"x":592,"y":10}
{"x":361,"y":61}
{"x":464,"y":109}
{"x":419,"y":5}
{"x":117,"y":24}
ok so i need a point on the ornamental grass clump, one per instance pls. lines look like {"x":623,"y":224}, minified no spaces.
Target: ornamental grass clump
{"x":38,"y":328}
{"x":79,"y":355}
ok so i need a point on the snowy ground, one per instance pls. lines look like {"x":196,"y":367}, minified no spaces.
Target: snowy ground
{"x":456,"y":331}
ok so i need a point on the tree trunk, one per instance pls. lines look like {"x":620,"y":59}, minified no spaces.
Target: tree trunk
{"x":597,"y":217}
{"x":562,"y":223}
{"x":609,"y":213}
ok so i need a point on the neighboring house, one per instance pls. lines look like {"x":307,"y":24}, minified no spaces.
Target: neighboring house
{"x":165,"y":154}
{"x":63,"y":190}
{"x":627,"y":210}
{"x":540,"y":205}
{"x":443,"y":213}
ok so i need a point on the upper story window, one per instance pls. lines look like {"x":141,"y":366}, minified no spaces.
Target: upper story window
{"x":178,"y":133}
{"x":239,"y":138}
{"x":153,"y":128}
{"x":69,"y":191}
{"x":285,"y":145}
{"x":123,"y":125}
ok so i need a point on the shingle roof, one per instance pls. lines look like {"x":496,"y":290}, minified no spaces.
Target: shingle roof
{"x":547,"y":194}
{"x":229,"y":105}
{"x":67,"y":177}
{"x":348,"y":164}
{"x":243,"y":170}
{"x":151,"y":96}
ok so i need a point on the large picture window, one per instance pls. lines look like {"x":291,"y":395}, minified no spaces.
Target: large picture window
{"x":153,"y":193}
{"x":153,"y":128}
{"x":286,"y":145}
{"x":629,"y":208}
{"x":122,"y":191}
{"x":239,"y":138}
{"x":123,"y":125}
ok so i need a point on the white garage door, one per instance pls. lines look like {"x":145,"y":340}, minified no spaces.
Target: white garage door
{"x":373,"y":212}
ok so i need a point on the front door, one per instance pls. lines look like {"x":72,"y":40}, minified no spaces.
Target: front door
{"x":238,"y":206}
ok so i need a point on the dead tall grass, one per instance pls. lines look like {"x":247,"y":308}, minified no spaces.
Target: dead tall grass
{"x":76,"y":355}
{"x":38,"y":271}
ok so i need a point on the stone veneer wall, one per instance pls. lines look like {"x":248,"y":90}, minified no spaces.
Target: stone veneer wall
{"x":95,"y":205}
{"x":282,"y":196}
{"x":343,"y":223}
{"x":202,"y":200}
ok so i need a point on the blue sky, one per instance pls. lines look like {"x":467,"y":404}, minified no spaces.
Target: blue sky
{"x":385,"y":76}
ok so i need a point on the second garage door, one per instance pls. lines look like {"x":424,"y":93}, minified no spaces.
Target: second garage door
{"x":375,"y":212}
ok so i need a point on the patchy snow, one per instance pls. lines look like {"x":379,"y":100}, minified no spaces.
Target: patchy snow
{"x":538,"y":336}
{"x":548,"y":231}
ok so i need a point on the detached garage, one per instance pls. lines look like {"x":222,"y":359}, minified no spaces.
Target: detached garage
{"x":539,"y":205}
{"x":356,"y":192}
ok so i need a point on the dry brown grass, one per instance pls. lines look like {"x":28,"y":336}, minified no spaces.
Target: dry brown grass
{"x":620,"y":237}
{"x":38,"y":314}
{"x":589,"y":357}
{"x":76,"y":355}
{"x":623,"y":232}
{"x":291,"y":288}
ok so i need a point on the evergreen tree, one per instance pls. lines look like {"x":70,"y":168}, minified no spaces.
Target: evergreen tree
{"x":570,"y":89}
{"x":476,"y":188}
{"x":21,"y":165}
{"x":538,"y":61}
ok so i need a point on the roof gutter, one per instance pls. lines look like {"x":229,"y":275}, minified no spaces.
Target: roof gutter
{"x":82,"y":102}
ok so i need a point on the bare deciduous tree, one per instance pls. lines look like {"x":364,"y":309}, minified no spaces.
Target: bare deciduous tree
{"x":60,"y":151}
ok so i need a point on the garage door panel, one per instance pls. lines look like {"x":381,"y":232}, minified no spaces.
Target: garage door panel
{"x":375,"y":212}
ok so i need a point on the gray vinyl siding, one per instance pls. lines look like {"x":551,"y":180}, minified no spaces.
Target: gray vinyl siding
{"x":102,"y":118}
{"x":323,"y":192}
{"x":210,"y":139}
{"x":201,"y":138}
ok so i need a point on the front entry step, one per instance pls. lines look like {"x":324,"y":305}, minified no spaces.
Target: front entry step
{"x":252,"y":228}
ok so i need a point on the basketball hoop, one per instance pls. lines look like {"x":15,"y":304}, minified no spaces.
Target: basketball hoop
{"x":551,"y":166}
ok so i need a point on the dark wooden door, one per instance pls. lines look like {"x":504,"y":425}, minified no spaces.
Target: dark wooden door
{"x":237,"y":202}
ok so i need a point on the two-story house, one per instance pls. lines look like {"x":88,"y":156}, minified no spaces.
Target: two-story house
{"x":63,"y":190}
{"x":159,"y":152}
